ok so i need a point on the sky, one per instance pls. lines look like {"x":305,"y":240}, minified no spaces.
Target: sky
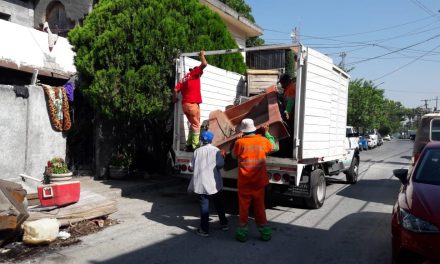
{"x":394,"y":43}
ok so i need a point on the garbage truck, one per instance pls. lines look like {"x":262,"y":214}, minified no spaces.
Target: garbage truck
{"x":318,"y":145}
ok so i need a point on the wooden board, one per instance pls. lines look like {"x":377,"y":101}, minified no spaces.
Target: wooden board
{"x":90,"y":205}
{"x":12,"y":210}
{"x":259,"y":81}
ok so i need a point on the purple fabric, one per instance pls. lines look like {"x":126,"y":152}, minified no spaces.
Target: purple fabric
{"x":69,"y":90}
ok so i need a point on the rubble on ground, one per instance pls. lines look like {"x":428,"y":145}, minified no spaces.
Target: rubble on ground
{"x":19,"y":251}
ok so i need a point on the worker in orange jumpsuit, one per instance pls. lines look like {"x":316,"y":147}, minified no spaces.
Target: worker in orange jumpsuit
{"x":251,"y":150}
{"x":189,"y":87}
{"x":289,"y":86}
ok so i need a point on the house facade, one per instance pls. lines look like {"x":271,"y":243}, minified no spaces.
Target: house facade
{"x":239,"y":26}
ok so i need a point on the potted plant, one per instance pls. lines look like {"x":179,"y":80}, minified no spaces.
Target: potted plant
{"x":57,"y":169}
{"x":119,"y":165}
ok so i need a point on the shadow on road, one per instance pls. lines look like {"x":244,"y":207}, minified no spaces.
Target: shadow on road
{"x":377,"y":191}
{"x":356,"y":238}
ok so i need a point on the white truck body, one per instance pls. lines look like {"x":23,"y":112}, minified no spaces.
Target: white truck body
{"x":319,"y":135}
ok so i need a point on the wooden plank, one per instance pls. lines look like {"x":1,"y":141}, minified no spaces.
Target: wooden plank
{"x":264,"y":72}
{"x":90,"y":205}
{"x":267,"y":83}
{"x":264,"y":85}
{"x":263,"y":78}
{"x":8,"y":222}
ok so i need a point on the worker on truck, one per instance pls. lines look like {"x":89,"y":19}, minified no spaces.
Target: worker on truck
{"x":189,"y":87}
{"x":288,"y":101}
{"x":289,"y":86}
{"x":251,"y":150}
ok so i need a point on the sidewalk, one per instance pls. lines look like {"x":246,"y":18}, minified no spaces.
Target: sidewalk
{"x":114,"y":189}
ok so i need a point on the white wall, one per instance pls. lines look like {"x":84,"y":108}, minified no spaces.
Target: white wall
{"x":24,"y":48}
{"x":219,"y":89}
{"x":325,"y":108}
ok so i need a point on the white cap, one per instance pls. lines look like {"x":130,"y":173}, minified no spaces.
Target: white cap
{"x":247,"y":125}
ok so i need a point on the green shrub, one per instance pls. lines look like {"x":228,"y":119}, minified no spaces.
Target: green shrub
{"x":125,"y":52}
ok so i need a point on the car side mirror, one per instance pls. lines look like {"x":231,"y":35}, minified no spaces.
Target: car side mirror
{"x":402,"y":175}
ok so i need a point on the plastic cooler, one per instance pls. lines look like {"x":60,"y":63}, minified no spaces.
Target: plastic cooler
{"x":59,"y":194}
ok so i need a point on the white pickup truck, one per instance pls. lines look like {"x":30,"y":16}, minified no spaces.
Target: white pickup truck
{"x":320,"y":144}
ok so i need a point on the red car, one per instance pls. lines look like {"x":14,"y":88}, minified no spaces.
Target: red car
{"x":415,"y":221}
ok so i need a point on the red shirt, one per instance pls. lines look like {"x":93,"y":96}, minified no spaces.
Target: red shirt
{"x":251,"y":154}
{"x":189,"y":86}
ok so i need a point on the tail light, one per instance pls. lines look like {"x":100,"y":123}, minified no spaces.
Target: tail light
{"x":286,"y":177}
{"x":276,"y":177}
{"x":183,"y":167}
{"x":190,"y":169}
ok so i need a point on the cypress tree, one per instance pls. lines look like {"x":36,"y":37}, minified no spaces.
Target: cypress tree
{"x":125,"y":52}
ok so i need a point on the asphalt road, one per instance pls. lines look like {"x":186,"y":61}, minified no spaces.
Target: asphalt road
{"x":353,"y":226}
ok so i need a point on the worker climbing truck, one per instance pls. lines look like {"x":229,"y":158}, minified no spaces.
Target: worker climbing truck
{"x":317,"y":145}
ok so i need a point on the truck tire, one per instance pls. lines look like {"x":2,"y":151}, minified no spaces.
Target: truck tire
{"x":317,"y":190}
{"x":353,"y":172}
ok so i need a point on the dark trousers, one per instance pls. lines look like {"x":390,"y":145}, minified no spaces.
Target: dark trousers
{"x":217,"y":199}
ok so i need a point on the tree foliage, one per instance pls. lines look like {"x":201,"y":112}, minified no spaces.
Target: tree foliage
{"x":368,"y":108}
{"x":125,"y":52}
{"x":240,"y":7}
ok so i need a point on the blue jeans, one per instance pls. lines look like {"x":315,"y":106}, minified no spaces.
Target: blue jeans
{"x":217,"y":199}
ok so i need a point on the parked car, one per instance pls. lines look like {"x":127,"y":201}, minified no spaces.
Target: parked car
{"x":415,"y":224}
{"x":371,"y":142}
{"x":374,"y":138}
{"x":387,"y":138}
{"x":379,"y":139}
{"x":363,"y":143}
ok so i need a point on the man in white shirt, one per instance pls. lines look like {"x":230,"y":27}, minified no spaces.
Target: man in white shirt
{"x":207,"y":182}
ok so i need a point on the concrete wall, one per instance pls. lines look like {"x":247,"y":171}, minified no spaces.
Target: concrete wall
{"x":21,"y":12}
{"x":75,"y":10}
{"x":27,"y":49}
{"x":27,"y":140}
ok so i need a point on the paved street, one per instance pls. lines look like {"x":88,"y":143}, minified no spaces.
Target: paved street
{"x":353,"y":226}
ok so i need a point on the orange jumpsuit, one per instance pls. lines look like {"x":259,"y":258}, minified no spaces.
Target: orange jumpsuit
{"x":289,"y":97}
{"x":251,"y":151}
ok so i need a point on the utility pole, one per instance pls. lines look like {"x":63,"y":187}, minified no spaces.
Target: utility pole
{"x":295,"y":35}
{"x":436,"y":103}
{"x":426,"y":103}
{"x":342,"y":63}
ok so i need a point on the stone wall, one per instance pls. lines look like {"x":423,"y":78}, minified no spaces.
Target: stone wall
{"x":76,"y":11}
{"x":27,"y":140}
{"x":20,"y":12}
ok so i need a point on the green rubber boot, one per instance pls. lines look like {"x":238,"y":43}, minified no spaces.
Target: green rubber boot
{"x":241,"y":234}
{"x":195,"y":140}
{"x":189,"y":139}
{"x":265,"y":233}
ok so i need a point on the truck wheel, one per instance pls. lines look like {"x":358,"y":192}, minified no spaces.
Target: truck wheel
{"x":352,"y":173}
{"x":317,"y":190}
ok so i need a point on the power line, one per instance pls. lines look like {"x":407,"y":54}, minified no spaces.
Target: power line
{"x":403,"y":66}
{"x":424,"y":8}
{"x":361,"y":33}
{"x":409,"y":91}
{"x":395,"y":51}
